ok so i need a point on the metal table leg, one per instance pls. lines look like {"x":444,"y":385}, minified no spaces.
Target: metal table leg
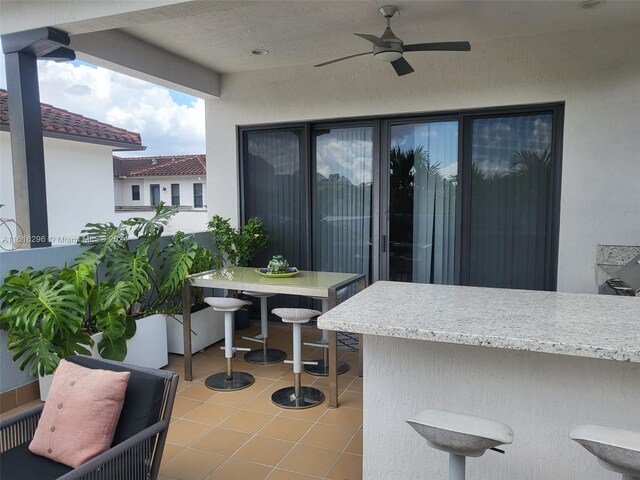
{"x":186,"y":330}
{"x":333,"y":355}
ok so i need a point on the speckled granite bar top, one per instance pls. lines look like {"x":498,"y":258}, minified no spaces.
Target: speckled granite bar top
{"x":583,"y":325}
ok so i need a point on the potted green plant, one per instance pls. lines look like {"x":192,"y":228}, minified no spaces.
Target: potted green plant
{"x":237,"y":248}
{"x":183,"y":256}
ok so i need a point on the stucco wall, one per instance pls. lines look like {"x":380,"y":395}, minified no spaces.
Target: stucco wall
{"x":596,"y":73}
{"x":540,"y":396}
{"x":123,"y":189}
{"x":79,"y":185}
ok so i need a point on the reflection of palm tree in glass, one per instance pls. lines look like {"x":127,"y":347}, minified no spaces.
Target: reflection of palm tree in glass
{"x":509,"y":221}
{"x":414,"y":178}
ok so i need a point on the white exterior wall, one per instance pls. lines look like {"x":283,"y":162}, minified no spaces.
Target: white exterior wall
{"x":541,"y":396}
{"x":123,"y":196}
{"x":79,"y":186}
{"x":596,"y":73}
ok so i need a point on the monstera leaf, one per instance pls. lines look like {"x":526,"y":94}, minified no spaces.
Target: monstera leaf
{"x":112,"y":322}
{"x":41,"y":353}
{"x":81,"y":277}
{"x":152,"y":228}
{"x":133,"y":267}
{"x":47,"y":307}
{"x":178,"y":257}
{"x":103,"y":238}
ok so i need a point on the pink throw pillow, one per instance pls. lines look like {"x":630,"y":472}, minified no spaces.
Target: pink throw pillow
{"x":80,"y":415}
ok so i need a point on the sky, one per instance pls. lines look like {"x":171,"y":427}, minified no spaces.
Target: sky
{"x":170,"y":122}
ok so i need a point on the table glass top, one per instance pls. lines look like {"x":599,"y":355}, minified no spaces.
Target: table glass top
{"x":248,"y":277}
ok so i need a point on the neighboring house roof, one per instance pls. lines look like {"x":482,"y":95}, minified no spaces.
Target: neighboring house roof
{"x":59,"y":123}
{"x":163,"y":166}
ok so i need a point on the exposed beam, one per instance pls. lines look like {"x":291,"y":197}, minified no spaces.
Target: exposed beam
{"x":126,"y":54}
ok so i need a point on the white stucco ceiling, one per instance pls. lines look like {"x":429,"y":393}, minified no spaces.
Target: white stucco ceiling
{"x":220,"y":34}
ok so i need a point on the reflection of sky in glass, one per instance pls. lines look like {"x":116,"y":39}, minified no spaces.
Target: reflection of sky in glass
{"x":347,"y":152}
{"x":439,"y":139}
{"x":495,"y":140}
{"x":281,"y":150}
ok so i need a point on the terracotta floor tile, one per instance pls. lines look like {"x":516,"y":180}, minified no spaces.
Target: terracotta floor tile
{"x":170,"y":451}
{"x":164,"y":477}
{"x":328,"y":436}
{"x":350,"y":399}
{"x":348,"y":467}
{"x":342,"y":417}
{"x":279,"y":474}
{"x":240,"y":397}
{"x":267,"y":451}
{"x":197,"y":391}
{"x":192,"y":464}
{"x":308,"y":414}
{"x":263,"y":404}
{"x":273,"y":372}
{"x":210,"y":413}
{"x":184,"y":405}
{"x":221,"y":441}
{"x":183,"y":432}
{"x":310,"y":460}
{"x":286,"y":429}
{"x":275,"y":385}
{"x":246,"y":421}
{"x":234,"y":469}
{"x":355,"y":445}
{"x":356,"y":385}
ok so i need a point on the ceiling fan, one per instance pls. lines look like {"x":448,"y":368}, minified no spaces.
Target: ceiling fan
{"x":389,"y":48}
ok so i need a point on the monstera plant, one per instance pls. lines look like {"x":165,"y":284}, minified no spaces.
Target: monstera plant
{"x":124,"y":274}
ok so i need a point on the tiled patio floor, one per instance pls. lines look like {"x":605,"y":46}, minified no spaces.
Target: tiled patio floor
{"x":242,"y":435}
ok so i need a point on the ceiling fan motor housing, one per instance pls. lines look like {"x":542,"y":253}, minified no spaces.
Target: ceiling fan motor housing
{"x":388,"y":54}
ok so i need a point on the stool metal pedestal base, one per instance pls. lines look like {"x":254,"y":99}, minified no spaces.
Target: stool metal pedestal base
{"x":322,"y":368}
{"x":237,"y":381}
{"x":286,"y":397}
{"x":265,"y":356}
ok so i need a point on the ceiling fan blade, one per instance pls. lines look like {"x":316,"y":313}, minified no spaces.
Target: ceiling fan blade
{"x":438,"y":47}
{"x":343,"y":58}
{"x":373,"y":39}
{"x":402,"y":67}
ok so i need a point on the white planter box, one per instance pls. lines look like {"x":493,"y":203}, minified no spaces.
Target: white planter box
{"x":206,"y":323}
{"x":148,"y":347}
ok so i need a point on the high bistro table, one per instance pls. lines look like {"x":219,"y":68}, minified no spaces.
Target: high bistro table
{"x":305,"y":283}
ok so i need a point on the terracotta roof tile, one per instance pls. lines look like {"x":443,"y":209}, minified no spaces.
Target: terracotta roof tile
{"x":161,"y":166}
{"x":58,"y":121}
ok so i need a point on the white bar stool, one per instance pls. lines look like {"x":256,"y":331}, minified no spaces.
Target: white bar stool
{"x":460,"y":435}
{"x":320,"y":367}
{"x":229,"y":380}
{"x":617,"y":450}
{"x":297,"y":397}
{"x":264,"y":355}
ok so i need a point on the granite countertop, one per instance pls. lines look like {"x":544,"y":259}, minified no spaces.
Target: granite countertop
{"x":583,"y":325}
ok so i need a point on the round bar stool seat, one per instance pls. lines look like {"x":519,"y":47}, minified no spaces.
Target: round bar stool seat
{"x":297,"y":397}
{"x":616,"y":449}
{"x":264,"y":355}
{"x":228,"y":380}
{"x":320,"y":367}
{"x":460,"y":435}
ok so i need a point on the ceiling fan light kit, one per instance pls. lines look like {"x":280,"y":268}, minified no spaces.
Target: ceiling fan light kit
{"x":389,"y":48}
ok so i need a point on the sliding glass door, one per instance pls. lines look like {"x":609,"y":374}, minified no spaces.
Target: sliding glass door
{"x":343,"y":199}
{"x":274,"y":182}
{"x":510,"y":198}
{"x":423,"y":171}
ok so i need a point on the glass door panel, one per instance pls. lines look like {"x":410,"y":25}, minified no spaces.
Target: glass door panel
{"x":273,"y":183}
{"x":342,"y":202}
{"x":422,"y":202}
{"x":510,"y":201}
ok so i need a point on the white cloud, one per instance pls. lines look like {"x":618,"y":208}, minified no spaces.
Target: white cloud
{"x":167,"y":127}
